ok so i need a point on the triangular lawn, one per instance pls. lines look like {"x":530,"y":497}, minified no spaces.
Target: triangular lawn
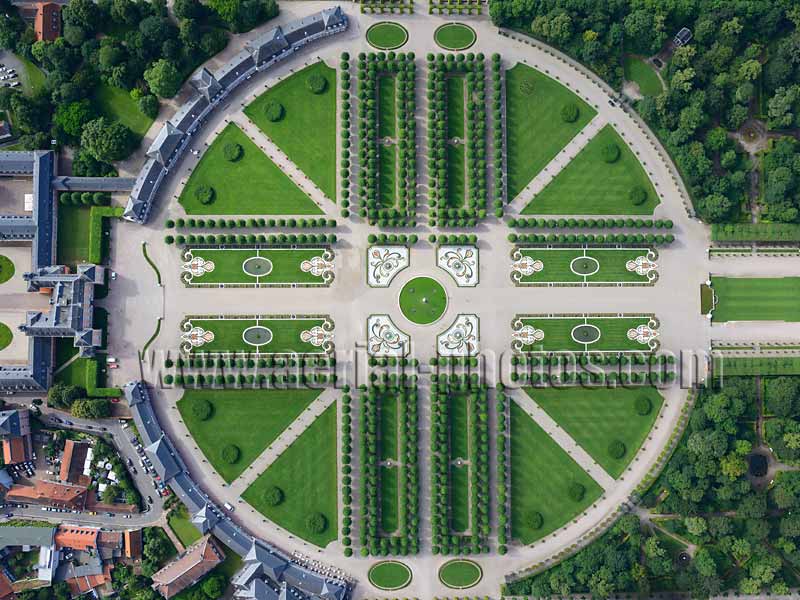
{"x":251,"y":185}
{"x":306,"y":474}
{"x":591,"y":186}
{"x":541,"y":472}
{"x":248,"y":419}
{"x":307,"y":130}
{"x":596,"y":417}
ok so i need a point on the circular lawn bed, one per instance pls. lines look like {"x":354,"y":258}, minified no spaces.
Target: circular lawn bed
{"x":6,"y":269}
{"x":455,"y":36}
{"x":5,"y":336}
{"x":387,"y":35}
{"x":423,"y":300}
{"x":389,"y":575}
{"x":460,"y":574}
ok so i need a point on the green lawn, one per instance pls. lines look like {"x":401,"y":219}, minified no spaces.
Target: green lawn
{"x":596,"y":417}
{"x":307,"y":132}
{"x":610,"y":265}
{"x":756,"y":298}
{"x":31,"y":78}
{"x":459,"y":427}
{"x":387,"y":106}
{"x":6,"y":268}
{"x":455,"y":36}
{"x":558,"y":334}
{"x":388,"y":427}
{"x":423,"y":300}
{"x":387,"y":175}
{"x":456,"y":153}
{"x":535,"y":131}
{"x":253,"y":185}
{"x":248,"y":419}
{"x":117,"y":104}
{"x":182,"y":527}
{"x":306,"y":473}
{"x":390,"y":499}
{"x":591,"y":186}
{"x":459,"y":498}
{"x":460,"y":573}
{"x":644,"y":75}
{"x":540,"y":475}
{"x":5,"y":336}
{"x":73,"y":234}
{"x":387,"y":35}
{"x":285,"y":335}
{"x":389,"y":575}
{"x":286,"y":266}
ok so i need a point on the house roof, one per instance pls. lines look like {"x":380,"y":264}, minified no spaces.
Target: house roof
{"x":168,"y":138}
{"x":25,"y":536}
{"x":73,"y":461}
{"x":47,"y":24}
{"x":133,"y":543}
{"x":45,"y":492}
{"x":188,"y":568}
{"x":6,"y":591}
{"x":77,"y":538}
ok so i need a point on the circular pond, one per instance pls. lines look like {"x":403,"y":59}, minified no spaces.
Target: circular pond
{"x":389,"y":575}
{"x":585,"y":334}
{"x":423,"y":300}
{"x":584,"y":265}
{"x":460,"y":574}
{"x":455,"y":36}
{"x":387,"y":35}
{"x":257,"y":266}
{"x":257,"y":335}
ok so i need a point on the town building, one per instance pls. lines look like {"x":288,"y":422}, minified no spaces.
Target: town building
{"x":46,"y":493}
{"x":75,"y":463}
{"x":15,"y":432}
{"x":194,"y":563}
{"x":47,"y":23}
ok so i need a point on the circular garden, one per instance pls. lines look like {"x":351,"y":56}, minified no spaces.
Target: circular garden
{"x":455,"y":36}
{"x":5,"y":336}
{"x":460,"y":574}
{"x":6,"y":269}
{"x":389,"y":575}
{"x":387,"y":35}
{"x":423,"y":300}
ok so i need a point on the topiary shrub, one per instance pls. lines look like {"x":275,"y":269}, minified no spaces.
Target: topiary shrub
{"x":643,"y":405}
{"x":570,"y":112}
{"x":205,"y":194}
{"x":232,"y":152}
{"x":576,"y":491}
{"x":616,"y":449}
{"x":637,"y":195}
{"x":317,"y":83}
{"x":274,"y":111}
{"x":201,"y":409}
{"x":316,"y":523}
{"x":273,"y":495}
{"x":534,"y":520}
{"x":610,"y":152}
{"x":230,"y":454}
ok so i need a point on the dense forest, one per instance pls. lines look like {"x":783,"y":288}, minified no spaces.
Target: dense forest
{"x":743,"y":64}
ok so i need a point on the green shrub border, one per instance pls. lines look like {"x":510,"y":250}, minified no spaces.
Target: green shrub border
{"x":96,"y":216}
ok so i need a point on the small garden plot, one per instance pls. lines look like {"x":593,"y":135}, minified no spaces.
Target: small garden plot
{"x":455,"y":36}
{"x":756,"y":299}
{"x":605,"y":178}
{"x":460,"y":468}
{"x":299,"y":115}
{"x":299,"y":490}
{"x":235,"y":177}
{"x":387,"y":35}
{"x":609,"y":423}
{"x":584,"y":266}
{"x":389,"y":575}
{"x":239,"y":424}
{"x":536,"y":128}
{"x":548,"y":488}
{"x":589,"y":333}
{"x":387,"y":138}
{"x":643,"y":75}
{"x":258,"y":335}
{"x":389,"y":486}
{"x":457,"y":126}
{"x":259,"y":267}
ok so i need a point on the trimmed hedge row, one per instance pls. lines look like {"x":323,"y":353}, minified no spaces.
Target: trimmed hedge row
{"x":503,"y":475}
{"x":92,"y":391}
{"x":591,"y":238}
{"x":252,"y":238}
{"x":347,"y":459}
{"x":192,"y":223}
{"x":344,"y":192}
{"x":601,"y":223}
{"x":755,"y":232}
{"x":499,"y":170}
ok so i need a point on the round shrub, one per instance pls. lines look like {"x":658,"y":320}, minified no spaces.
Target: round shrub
{"x":316,"y":523}
{"x":202,"y":409}
{"x":534,"y":520}
{"x":576,"y":491}
{"x":616,"y":449}
{"x":637,"y":195}
{"x":570,"y":112}
{"x":317,"y":83}
{"x":230,"y":454}
{"x":232,"y":152}
{"x":205,"y":194}
{"x":273,"y":495}
{"x":643,"y":405}
{"x":274,"y":111}
{"x":610,"y":152}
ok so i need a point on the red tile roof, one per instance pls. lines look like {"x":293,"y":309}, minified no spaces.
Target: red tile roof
{"x":45,"y":492}
{"x":47,"y":25}
{"x":77,"y":538}
{"x":188,"y":568}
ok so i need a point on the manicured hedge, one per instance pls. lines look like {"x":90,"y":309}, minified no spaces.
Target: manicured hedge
{"x":96,"y":216}
{"x":755,"y":232}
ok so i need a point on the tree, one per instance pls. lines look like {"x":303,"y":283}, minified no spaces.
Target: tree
{"x":188,"y":9}
{"x":81,"y":13}
{"x":70,"y":118}
{"x":106,"y":140}
{"x":109,"y":494}
{"x":91,"y":408}
{"x":163,"y":78}
{"x":61,"y":395}
{"x":214,"y":586}
{"x":783,"y":396}
{"x":316,"y":523}
{"x":243,"y":15}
